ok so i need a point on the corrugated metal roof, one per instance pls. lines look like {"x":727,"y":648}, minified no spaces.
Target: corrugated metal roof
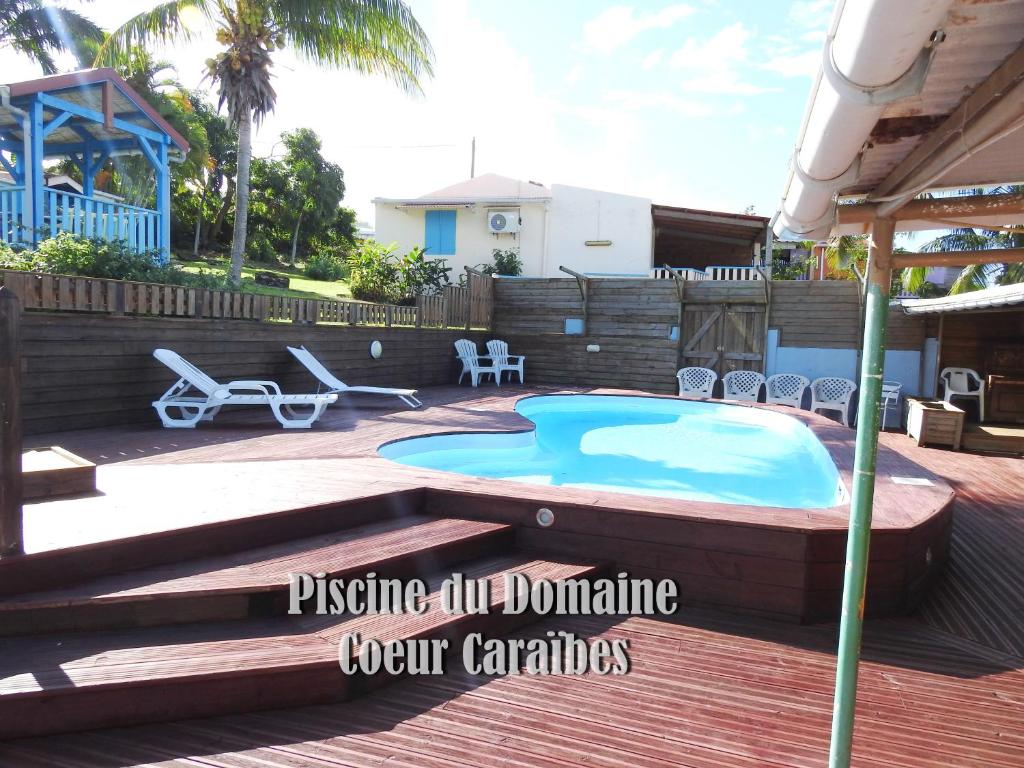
{"x":988,"y":298}
{"x":980,"y":35}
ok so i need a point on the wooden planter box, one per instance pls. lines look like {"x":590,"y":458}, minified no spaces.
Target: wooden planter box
{"x":53,"y":472}
{"x":934,"y":422}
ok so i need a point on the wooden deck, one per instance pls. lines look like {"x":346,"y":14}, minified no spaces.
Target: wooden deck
{"x":782,"y":563}
{"x":944,"y":687}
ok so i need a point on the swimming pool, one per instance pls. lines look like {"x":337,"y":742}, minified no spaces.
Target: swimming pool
{"x":645,"y":445}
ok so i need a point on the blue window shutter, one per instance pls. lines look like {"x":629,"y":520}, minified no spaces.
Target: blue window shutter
{"x":448,"y":233}
{"x":439,"y":235}
{"x":432,"y":236}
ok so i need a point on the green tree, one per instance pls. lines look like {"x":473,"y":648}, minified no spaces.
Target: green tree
{"x":208,"y":207}
{"x":40,"y":30}
{"x":315,"y":185}
{"x":368,"y":36}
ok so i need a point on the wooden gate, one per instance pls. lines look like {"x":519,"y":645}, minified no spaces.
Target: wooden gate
{"x":723,"y":336}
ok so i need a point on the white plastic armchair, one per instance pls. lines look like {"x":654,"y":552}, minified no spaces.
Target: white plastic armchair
{"x":696,"y":381}
{"x":964,"y":382}
{"x":471,"y":362}
{"x":786,"y":389}
{"x":742,"y":385}
{"x":832,"y":393}
{"x":502,"y":361}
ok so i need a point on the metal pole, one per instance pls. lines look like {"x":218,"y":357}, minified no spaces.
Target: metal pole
{"x":873,"y":364}
{"x":11,"y":539}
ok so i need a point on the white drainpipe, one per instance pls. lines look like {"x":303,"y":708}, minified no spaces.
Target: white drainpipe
{"x":26,"y":130}
{"x":876,"y":52}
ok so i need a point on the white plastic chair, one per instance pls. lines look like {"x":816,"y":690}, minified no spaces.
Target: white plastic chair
{"x":502,"y":361}
{"x":742,"y":385}
{"x":964,"y":382}
{"x":338,"y":387}
{"x":890,"y":396}
{"x":213,"y":396}
{"x":470,"y":359}
{"x":696,"y":381}
{"x":786,"y":389}
{"x":832,"y":393}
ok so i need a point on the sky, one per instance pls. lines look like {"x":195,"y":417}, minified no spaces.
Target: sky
{"x":694,"y":104}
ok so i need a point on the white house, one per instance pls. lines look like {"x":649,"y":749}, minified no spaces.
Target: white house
{"x":585,"y":230}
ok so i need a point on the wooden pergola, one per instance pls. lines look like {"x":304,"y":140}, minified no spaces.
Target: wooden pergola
{"x":89,"y":117}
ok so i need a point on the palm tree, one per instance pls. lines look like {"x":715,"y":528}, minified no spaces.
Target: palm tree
{"x":974,"y":276}
{"x":41,"y":30}
{"x":368,"y":36}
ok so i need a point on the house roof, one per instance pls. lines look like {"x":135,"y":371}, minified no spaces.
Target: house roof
{"x":487,"y":188}
{"x":988,"y":298}
{"x":86,"y":88}
{"x":709,"y":225}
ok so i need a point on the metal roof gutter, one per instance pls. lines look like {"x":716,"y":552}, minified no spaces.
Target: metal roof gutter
{"x":876,"y":52}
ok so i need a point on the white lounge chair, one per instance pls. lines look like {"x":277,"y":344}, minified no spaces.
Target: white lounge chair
{"x":336,"y":386}
{"x":470,"y":359}
{"x":786,"y":389}
{"x":742,"y":385}
{"x":696,"y":381}
{"x":964,"y":382}
{"x":832,"y":393}
{"x":502,"y":361}
{"x":213,"y":396}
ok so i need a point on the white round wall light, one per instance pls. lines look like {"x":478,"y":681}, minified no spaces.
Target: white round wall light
{"x":376,"y":350}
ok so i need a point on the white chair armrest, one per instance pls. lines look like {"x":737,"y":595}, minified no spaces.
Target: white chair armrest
{"x":266,"y":387}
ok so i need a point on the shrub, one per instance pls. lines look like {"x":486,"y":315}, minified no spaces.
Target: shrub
{"x":373,"y":273}
{"x":378,"y":274}
{"x":506,"y":262}
{"x":325,"y":265}
{"x":10,"y":259}
{"x":259,"y":248}
{"x":69,"y":254}
{"x":421,"y":275}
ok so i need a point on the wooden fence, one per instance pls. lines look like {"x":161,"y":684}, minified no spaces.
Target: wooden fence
{"x":469,"y":306}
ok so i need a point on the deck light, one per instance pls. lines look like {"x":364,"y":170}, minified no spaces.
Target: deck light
{"x":376,"y":350}
{"x":545,"y":517}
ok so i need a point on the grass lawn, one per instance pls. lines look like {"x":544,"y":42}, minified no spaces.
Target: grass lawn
{"x":299,"y":286}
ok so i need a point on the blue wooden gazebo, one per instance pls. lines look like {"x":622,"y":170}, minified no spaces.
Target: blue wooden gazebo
{"x":87,"y":116}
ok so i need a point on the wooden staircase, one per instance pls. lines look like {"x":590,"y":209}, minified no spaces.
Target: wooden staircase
{"x":211,"y":635}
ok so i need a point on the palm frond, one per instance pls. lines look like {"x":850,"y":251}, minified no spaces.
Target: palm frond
{"x":369,"y":36}
{"x":963,"y":239}
{"x":913,"y":278}
{"x":972,"y":278}
{"x":161,"y":24}
{"x":39,"y":31}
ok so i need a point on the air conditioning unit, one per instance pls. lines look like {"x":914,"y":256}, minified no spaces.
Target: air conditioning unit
{"x":503,"y":222}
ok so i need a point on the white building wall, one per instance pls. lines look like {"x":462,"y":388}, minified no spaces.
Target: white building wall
{"x":474,"y":243}
{"x":579,"y":215}
{"x":552,"y":233}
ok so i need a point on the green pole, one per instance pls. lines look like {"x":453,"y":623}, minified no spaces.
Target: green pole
{"x":862,"y":494}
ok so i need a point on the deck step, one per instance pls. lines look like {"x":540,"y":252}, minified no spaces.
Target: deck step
{"x":76,"y":681}
{"x":252,"y":582}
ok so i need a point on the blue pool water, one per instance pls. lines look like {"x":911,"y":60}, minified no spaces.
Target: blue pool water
{"x":645,"y":445}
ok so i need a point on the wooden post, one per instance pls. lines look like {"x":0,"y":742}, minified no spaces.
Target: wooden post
{"x":11,"y":540}
{"x":583,"y":282}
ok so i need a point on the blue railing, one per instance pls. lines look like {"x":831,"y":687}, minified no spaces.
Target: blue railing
{"x":11,"y":202}
{"x":80,"y":215}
